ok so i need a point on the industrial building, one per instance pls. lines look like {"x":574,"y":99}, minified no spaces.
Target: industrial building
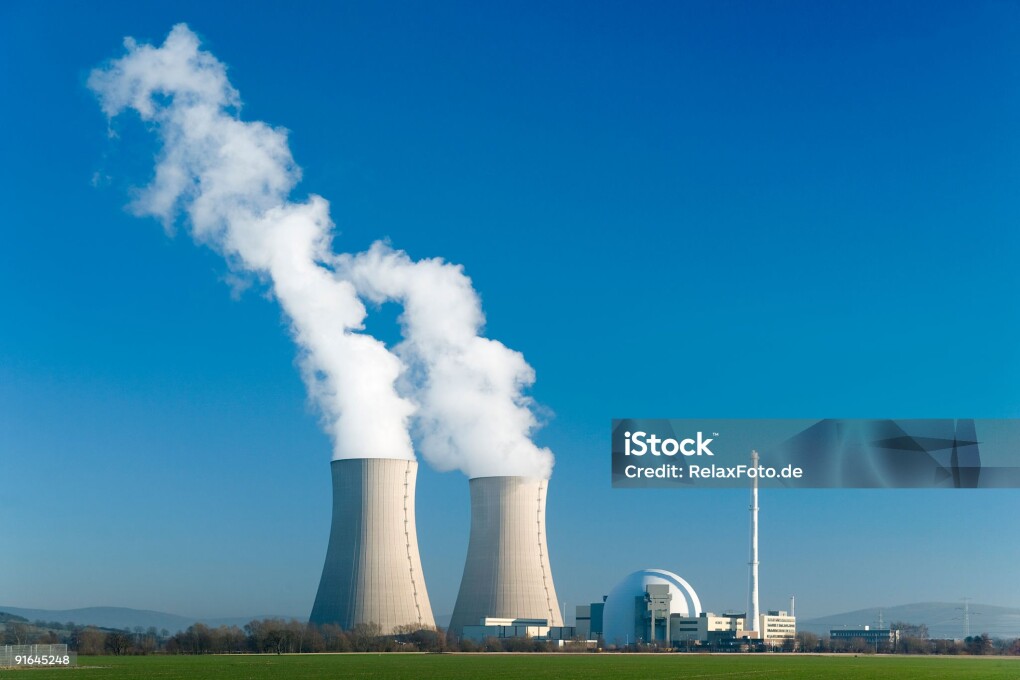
{"x":588,"y":620}
{"x":654,"y":606}
{"x":507,"y":574}
{"x":708,"y":628}
{"x":372,"y":572}
{"x":777,"y":626}
{"x":876,"y":637}
{"x":774,"y":628}
{"x":502,"y":628}
{"x":640,"y":608}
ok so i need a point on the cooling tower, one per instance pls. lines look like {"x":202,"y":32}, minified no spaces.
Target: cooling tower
{"x":373,"y":569}
{"x":507,"y":572}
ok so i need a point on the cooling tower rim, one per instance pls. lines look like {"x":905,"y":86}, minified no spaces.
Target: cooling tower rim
{"x":364,"y":458}
{"x":527,"y":477}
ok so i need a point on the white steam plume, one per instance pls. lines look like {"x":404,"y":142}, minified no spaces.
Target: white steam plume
{"x":232,"y":180}
{"x":472,"y":413}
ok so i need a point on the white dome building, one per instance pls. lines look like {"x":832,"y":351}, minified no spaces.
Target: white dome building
{"x":624,"y":615}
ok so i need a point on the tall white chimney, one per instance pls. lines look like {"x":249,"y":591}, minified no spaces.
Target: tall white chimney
{"x":753,"y":594}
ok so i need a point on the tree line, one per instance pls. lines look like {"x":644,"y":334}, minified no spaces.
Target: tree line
{"x":261,"y":636}
{"x":273,"y":636}
{"x":277,"y":636}
{"x":912,"y":643}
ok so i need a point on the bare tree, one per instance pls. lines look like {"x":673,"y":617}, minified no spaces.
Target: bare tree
{"x":19,"y":632}
{"x":91,"y":641}
{"x":807,"y":641}
{"x":117,"y":642}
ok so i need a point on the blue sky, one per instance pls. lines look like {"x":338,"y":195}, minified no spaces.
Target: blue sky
{"x":672,"y":209}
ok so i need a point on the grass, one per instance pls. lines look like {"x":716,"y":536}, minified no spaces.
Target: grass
{"x":531,"y":666}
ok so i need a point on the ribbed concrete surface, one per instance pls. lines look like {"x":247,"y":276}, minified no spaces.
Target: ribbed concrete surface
{"x":373,"y":569}
{"x":507,"y":572}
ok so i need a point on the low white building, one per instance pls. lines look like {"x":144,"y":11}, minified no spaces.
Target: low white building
{"x":707,"y":628}
{"x":506,"y":628}
{"x":777,"y":627}
{"x":495,"y":627}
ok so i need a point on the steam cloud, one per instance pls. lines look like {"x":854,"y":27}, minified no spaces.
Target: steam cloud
{"x":463,"y":393}
{"x":473,"y":414}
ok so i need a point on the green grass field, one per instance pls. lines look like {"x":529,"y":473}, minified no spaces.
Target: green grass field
{"x":559,"y":666}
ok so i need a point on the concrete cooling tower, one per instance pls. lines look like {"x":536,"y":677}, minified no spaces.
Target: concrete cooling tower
{"x":373,"y":569}
{"x":507,"y":572}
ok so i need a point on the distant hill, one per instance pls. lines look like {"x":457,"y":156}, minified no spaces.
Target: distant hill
{"x":944,"y":619}
{"x":122,"y":617}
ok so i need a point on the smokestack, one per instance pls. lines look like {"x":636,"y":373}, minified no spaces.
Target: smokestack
{"x":754,"y":547}
{"x":373,"y":569}
{"x":507,"y":573}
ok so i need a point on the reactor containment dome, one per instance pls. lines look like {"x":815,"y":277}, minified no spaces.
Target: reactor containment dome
{"x":621,"y":605}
